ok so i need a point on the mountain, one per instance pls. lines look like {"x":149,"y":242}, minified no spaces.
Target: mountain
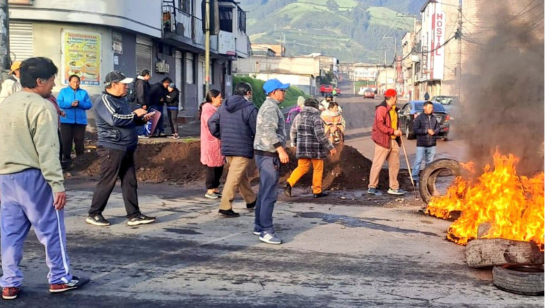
{"x":350,"y":30}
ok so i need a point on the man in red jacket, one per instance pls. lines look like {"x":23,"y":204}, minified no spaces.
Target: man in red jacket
{"x":387,"y":140}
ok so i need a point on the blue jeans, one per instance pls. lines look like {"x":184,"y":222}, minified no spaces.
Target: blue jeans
{"x":421,"y":152}
{"x":267,"y":194}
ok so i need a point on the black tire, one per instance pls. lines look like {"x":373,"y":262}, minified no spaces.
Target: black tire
{"x":408,"y":132}
{"x":446,"y":137}
{"x":520,"y":279}
{"x":429,"y":176}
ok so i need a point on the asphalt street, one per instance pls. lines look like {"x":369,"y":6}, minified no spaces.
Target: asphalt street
{"x":380,"y":252}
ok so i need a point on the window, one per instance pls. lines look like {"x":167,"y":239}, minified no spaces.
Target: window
{"x":189,"y":68}
{"x":242,"y":20}
{"x":226,"y":18}
{"x":186,"y":6}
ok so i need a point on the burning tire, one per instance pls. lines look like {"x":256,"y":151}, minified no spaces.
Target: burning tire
{"x":496,"y":251}
{"x":520,"y":279}
{"x":438,"y":168}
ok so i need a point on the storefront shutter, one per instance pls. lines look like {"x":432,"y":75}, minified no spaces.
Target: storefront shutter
{"x":21,"y":40}
{"x":144,"y":54}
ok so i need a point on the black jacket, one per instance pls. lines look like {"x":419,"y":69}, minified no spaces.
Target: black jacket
{"x":422,"y":123}
{"x":158,"y":92}
{"x":173,"y":98}
{"x":116,"y":123}
{"x":235,"y":124}
{"x":142,"y":89}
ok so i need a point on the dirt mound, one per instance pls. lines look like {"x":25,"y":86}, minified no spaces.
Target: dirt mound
{"x":179,"y":162}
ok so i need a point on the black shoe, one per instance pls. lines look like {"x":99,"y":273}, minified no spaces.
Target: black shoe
{"x":97,"y":220}
{"x":250,"y":206}
{"x":288,"y":190}
{"x":228,"y":213}
{"x":320,"y":195}
{"x":140,"y":220}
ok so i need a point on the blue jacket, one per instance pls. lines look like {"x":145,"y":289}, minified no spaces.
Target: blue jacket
{"x":74,"y":115}
{"x":422,"y":123}
{"x":116,"y":123}
{"x":235,"y":124}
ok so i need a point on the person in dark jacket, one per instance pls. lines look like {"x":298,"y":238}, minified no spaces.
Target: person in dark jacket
{"x":235,"y":124}
{"x":386,"y":136}
{"x":308,"y":134}
{"x":426,"y":128}
{"x":426,"y":96}
{"x":142,"y":89}
{"x":116,"y":146}
{"x":74,"y":101}
{"x":157,"y":98}
{"x":172,"y":106}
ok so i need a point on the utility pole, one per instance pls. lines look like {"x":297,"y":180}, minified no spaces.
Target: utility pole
{"x":207,"y":48}
{"x":5,"y":60}
{"x":459,"y":64}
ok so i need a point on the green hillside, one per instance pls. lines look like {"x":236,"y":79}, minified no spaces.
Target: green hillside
{"x":350,"y":30}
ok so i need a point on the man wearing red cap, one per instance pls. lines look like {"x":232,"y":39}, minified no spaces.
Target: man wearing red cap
{"x":386,"y":136}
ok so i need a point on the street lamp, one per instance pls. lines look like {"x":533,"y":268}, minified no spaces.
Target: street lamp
{"x":394,"y":59}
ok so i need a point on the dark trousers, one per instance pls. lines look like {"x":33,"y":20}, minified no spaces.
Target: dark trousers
{"x":267,"y":193}
{"x":213,"y":176}
{"x":173,"y":119}
{"x":160,"y":124}
{"x":115,"y":164}
{"x":70,"y":133}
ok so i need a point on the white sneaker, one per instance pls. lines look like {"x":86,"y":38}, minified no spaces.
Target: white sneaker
{"x":270,"y":238}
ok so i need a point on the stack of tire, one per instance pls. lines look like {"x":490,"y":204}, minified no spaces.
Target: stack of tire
{"x":518,"y":267}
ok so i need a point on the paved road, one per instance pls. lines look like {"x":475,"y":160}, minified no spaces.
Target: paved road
{"x":345,"y":255}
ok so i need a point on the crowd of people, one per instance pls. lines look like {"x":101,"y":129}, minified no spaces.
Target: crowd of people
{"x":39,"y":133}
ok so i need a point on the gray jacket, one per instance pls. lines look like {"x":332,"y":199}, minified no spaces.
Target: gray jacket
{"x":270,"y":127}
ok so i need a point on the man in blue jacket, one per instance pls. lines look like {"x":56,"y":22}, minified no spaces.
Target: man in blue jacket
{"x":235,"y":124}
{"x":116,"y":146}
{"x":426,"y":128}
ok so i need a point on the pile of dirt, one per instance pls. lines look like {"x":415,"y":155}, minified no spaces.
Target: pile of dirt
{"x":179,"y":162}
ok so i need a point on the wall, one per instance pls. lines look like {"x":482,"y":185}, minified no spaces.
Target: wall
{"x":143,"y":16}
{"x":47,"y":43}
{"x":126,"y":60}
{"x":295,"y":65}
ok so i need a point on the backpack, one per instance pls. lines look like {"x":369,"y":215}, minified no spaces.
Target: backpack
{"x":131,"y":96}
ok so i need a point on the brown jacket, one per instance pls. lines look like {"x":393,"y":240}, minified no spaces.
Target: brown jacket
{"x":381,"y":128}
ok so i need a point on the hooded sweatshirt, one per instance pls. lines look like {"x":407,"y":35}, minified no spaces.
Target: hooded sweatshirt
{"x":235,"y":124}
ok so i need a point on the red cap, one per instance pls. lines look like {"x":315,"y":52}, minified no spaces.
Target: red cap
{"x":390,"y":93}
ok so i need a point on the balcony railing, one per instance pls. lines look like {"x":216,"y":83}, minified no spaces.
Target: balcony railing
{"x":182,"y":23}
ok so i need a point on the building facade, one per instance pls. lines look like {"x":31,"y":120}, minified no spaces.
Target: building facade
{"x":91,"y":38}
{"x":439,"y":50}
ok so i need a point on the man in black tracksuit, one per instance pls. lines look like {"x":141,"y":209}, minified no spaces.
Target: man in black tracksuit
{"x":157,"y":98}
{"x":426,"y":129}
{"x":116,"y":146}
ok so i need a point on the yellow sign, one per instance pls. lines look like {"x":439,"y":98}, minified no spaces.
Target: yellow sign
{"x":82,"y":57}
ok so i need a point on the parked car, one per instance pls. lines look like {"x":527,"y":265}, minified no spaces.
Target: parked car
{"x":326,"y":89}
{"x":369,"y":93}
{"x":412,"y":109}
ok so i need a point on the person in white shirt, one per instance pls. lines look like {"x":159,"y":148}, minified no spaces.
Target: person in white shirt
{"x":12,"y":84}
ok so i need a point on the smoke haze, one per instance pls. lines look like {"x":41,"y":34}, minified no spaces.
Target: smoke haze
{"x":503,"y":97}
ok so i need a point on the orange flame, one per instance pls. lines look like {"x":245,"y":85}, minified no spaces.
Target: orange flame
{"x":513,"y":205}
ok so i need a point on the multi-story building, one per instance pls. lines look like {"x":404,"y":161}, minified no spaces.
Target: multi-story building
{"x":278,"y":49}
{"x":439,"y":51}
{"x":91,"y":38}
{"x":410,"y":62}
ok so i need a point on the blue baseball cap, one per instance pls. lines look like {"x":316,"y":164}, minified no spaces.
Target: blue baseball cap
{"x":274,"y":84}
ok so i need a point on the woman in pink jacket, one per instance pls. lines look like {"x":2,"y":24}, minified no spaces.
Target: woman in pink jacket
{"x":211,"y":154}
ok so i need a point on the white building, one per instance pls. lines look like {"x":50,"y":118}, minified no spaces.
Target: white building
{"x":91,"y":38}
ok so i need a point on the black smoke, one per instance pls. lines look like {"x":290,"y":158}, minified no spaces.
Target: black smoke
{"x":503,"y":101}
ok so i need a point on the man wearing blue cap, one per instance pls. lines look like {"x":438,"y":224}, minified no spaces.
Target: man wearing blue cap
{"x":269,"y":147}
